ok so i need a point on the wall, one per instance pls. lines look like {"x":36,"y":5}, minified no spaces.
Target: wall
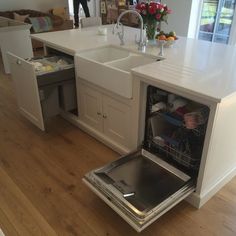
{"x":41,"y":5}
{"x":179,"y":20}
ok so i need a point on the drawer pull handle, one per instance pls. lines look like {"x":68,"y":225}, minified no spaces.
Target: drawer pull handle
{"x":98,"y":113}
{"x":104,"y":116}
{"x":18,"y":62}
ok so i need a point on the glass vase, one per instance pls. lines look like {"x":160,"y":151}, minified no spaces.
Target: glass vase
{"x":151,"y":27}
{"x":158,"y":26}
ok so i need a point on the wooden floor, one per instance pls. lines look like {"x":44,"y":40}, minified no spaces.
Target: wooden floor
{"x":41,"y":191}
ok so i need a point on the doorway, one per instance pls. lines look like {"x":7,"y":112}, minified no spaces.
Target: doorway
{"x":92,"y":5}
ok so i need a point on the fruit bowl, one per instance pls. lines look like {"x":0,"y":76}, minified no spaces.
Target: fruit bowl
{"x":167,"y":39}
{"x":166,"y":43}
{"x":169,"y":43}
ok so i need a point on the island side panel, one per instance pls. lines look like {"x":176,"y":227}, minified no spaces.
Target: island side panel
{"x":220,"y":165}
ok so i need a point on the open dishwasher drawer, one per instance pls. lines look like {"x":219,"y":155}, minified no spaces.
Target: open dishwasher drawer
{"x":140,"y":187}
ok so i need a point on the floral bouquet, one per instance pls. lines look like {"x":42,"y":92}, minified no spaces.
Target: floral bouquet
{"x":152,"y":13}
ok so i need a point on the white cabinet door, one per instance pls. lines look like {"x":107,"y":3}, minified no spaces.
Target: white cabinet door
{"x":26,"y":87}
{"x":16,"y":41}
{"x":91,"y":107}
{"x":117,"y":120}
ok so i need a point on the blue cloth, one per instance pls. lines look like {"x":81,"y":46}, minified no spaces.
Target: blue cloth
{"x":41,"y":24}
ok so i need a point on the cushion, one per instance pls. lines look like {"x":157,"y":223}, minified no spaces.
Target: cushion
{"x":60,"y":11}
{"x":41,"y":24}
{"x":19,"y":17}
{"x":6,"y":14}
{"x":3,"y":23}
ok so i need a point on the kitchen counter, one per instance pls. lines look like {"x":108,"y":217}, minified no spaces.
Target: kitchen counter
{"x":199,"y":67}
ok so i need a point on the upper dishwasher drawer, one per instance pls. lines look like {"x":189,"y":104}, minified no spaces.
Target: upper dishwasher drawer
{"x":140,"y":187}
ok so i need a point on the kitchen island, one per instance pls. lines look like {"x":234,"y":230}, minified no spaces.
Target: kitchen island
{"x":197,"y":70}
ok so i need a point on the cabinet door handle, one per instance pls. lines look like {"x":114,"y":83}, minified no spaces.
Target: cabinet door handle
{"x":18,"y":62}
{"x":98,"y":113}
{"x":104,"y":116}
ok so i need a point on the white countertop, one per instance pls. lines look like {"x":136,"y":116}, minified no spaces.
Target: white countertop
{"x":199,"y":67}
{"x":75,"y":40}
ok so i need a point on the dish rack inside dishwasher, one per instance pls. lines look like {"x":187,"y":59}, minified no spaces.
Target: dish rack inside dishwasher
{"x":182,"y":157}
{"x":176,"y":137}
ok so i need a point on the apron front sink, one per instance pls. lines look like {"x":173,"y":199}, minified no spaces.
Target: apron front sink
{"x":110,"y":68}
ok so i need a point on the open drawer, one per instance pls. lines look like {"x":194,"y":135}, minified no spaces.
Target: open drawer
{"x":140,"y":187}
{"x":37,"y":84}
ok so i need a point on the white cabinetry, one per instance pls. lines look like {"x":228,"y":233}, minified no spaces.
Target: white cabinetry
{"x":105,"y":114}
{"x":91,"y":107}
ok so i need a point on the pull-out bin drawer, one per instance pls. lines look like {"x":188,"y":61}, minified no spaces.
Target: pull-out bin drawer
{"x":39,"y":83}
{"x":57,"y":77}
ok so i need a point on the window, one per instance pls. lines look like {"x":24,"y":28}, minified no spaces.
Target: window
{"x":216,"y":20}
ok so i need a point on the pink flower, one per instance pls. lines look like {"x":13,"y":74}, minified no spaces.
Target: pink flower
{"x":158,"y":16}
{"x":159,"y":6}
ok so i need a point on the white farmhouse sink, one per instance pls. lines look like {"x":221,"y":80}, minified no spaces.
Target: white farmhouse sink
{"x":110,"y":68}
{"x":132,"y":61}
{"x":104,"y":54}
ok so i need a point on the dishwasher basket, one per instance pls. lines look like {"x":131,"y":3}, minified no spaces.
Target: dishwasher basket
{"x":175,"y":141}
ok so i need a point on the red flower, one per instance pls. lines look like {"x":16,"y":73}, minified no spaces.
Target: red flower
{"x":143,"y":6}
{"x":153,"y":4}
{"x":152,"y":9}
{"x":138,"y":6}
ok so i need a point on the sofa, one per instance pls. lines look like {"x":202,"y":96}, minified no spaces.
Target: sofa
{"x":58,"y":23}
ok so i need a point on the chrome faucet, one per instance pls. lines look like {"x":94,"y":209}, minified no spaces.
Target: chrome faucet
{"x":141,"y":42}
{"x":119,"y":33}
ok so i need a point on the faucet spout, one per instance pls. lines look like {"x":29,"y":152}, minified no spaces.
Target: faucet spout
{"x":141,"y":42}
{"x":120,"y":33}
